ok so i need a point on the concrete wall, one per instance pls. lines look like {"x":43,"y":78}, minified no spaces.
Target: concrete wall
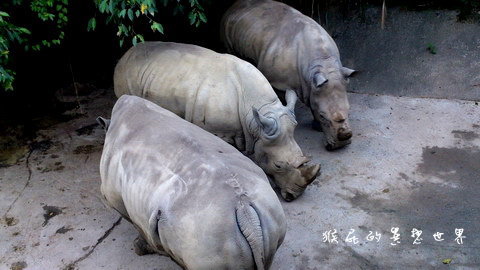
{"x":395,"y":61}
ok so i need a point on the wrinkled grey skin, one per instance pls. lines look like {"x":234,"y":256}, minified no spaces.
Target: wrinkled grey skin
{"x":191,"y":195}
{"x":224,"y":95}
{"x":293,"y":52}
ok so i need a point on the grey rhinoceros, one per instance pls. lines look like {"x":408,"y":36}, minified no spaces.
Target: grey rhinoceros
{"x":294,"y":53}
{"x":224,"y":95}
{"x":191,"y":195}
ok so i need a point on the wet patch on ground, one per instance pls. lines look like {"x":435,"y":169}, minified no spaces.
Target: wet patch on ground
{"x":63,"y":230}
{"x":10,"y":221}
{"x":16,"y":134}
{"x":42,"y":146}
{"x":50,"y":212}
{"x":13,"y":145}
{"x":86,"y":149}
{"x":19,"y":248}
{"x":465,"y":135}
{"x":443,"y":204}
{"x":433,"y":206}
{"x":57,"y":166}
{"x":18,"y":265}
{"x":86,"y":130}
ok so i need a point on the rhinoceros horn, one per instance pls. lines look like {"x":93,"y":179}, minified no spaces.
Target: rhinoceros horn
{"x":291,"y":98}
{"x":310,"y":172}
{"x":268,"y":124}
{"x":319,"y":79}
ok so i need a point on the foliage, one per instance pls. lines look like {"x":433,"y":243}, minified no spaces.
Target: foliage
{"x":8,"y":33}
{"x":46,"y":10}
{"x":53,"y":14}
{"x":123,"y":14}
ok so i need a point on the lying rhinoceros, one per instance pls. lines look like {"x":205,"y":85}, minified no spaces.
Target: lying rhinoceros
{"x":293,"y":52}
{"x":224,"y":95}
{"x":191,"y":195}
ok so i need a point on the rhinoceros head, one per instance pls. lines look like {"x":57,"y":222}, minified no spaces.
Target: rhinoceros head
{"x":277,"y":152}
{"x":329,"y":104}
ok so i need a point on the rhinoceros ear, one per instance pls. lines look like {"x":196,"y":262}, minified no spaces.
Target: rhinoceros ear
{"x":291,"y":98}
{"x":319,"y":79}
{"x":104,"y":123}
{"x":347,"y":72}
{"x":268,"y":124}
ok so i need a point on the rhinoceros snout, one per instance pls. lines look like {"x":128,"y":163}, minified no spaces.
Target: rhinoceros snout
{"x":344,"y":134}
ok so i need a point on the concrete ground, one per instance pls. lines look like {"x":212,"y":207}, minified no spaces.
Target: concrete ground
{"x":413,"y":163}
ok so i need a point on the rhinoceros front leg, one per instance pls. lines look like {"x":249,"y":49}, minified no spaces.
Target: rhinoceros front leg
{"x":141,"y":246}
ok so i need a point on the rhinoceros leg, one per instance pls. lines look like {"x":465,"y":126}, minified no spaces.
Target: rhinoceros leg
{"x":141,"y":246}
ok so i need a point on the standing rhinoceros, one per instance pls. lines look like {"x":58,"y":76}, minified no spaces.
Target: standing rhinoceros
{"x":191,"y":195}
{"x":294,"y":53}
{"x":224,"y":95}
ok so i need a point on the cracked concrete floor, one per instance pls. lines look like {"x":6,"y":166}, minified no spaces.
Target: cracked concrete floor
{"x":413,"y":163}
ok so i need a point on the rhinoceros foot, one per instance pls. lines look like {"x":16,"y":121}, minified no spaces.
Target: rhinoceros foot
{"x":142,"y":247}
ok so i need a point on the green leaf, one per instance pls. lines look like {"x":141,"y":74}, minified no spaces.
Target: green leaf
{"x":193,"y":17}
{"x":122,"y":13}
{"x":92,"y":24}
{"x":103,"y":6}
{"x":157,"y":27}
{"x":4,"y":14}
{"x":130,"y":14}
{"x":24,"y":30}
{"x":202,"y":17}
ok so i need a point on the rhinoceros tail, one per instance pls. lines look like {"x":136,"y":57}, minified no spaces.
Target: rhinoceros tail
{"x":249,"y":224}
{"x":104,"y":123}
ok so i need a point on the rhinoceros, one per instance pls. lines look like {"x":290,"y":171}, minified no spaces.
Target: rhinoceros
{"x":224,"y":95}
{"x":294,"y":53}
{"x":190,"y":195}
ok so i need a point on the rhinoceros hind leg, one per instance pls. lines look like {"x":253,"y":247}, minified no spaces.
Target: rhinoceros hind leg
{"x":141,"y":246}
{"x":316,"y":125}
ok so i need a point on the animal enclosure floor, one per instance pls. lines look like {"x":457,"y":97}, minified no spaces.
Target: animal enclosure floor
{"x":414,"y":163}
